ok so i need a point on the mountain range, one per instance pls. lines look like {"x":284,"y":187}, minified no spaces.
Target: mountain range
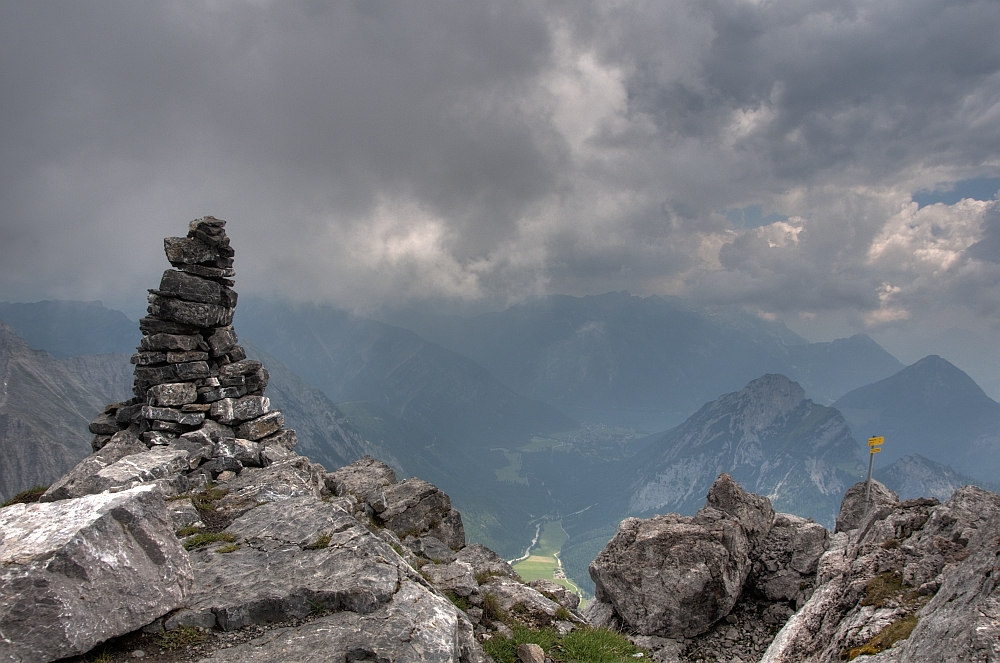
{"x":645,"y":362}
{"x":46,"y":405}
{"x":933,"y":409}
{"x":477,"y":408}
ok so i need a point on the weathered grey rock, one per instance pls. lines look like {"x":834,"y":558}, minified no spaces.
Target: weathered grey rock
{"x":754,"y":512}
{"x":162,"y":464}
{"x":152,"y":325}
{"x":193,"y":288}
{"x":485,"y":562}
{"x":961,"y":624}
{"x":148,"y":376}
{"x":192,"y":370}
{"x":672,"y":575}
{"x":283,"y":438}
{"x":852,"y":507}
{"x":293,"y":477}
{"x":556,"y":592}
{"x":245,"y":451}
{"x":162,"y":342}
{"x":104,"y":424}
{"x":530,"y":653}
{"x":186,"y":357}
{"x":415,"y":507}
{"x":365,"y":478}
{"x":675,"y":576}
{"x":148,"y":358}
{"x":432,"y":548}
{"x":213,"y":394}
{"x":262,"y":426}
{"x":81,"y":480}
{"x":77,"y":572}
{"x":919,"y":542}
{"x":189,"y":313}
{"x":416,"y":625}
{"x":173,"y":414}
{"x":173,"y":394}
{"x":222,"y":341}
{"x":785,"y":568}
{"x":455,"y":577}
{"x":277,"y":579}
{"x":239,"y":368}
{"x":231,"y":411}
{"x":183,"y":514}
{"x":528,"y":604}
{"x":190,"y":251}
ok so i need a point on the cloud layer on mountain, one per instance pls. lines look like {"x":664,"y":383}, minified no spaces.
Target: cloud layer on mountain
{"x":760,"y":154}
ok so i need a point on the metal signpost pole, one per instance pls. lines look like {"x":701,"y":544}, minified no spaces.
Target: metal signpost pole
{"x":873,"y":448}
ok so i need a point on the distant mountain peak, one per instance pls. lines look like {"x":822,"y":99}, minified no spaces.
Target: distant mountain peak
{"x":767,"y":398}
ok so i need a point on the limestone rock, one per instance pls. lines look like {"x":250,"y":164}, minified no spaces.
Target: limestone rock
{"x":415,"y":507}
{"x":852,"y":508}
{"x":81,"y":480}
{"x":485,"y":562}
{"x":74,"y":573}
{"x":526,"y":603}
{"x":902,"y":552}
{"x":675,"y":576}
{"x":415,"y":625}
{"x":275,"y":579}
{"x":530,"y":653}
{"x":455,"y":577}
{"x":556,"y":592}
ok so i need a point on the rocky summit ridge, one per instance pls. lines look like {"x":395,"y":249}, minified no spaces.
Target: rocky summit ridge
{"x":195,"y":514}
{"x":196,"y":521}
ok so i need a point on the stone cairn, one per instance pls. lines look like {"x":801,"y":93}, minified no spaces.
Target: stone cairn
{"x":194,"y":386}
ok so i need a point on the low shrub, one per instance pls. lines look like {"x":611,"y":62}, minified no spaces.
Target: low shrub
{"x":26,"y":496}
{"x":199,"y":540}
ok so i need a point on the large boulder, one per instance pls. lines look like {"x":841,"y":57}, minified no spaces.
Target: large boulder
{"x":294,"y":557}
{"x":675,"y":576}
{"x":857,"y":502}
{"x":82,"y":479}
{"x":415,"y":625}
{"x":74,"y":573}
{"x":785,"y":568}
{"x":883,"y":572}
{"x":415,"y":507}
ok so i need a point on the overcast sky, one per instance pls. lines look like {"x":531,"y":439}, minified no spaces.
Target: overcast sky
{"x":782,"y":156}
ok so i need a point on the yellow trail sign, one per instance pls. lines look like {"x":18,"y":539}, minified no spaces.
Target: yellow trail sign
{"x":875,"y":441}
{"x":874,"y":450}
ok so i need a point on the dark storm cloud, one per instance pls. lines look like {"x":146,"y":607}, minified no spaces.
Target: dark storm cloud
{"x":370,"y":153}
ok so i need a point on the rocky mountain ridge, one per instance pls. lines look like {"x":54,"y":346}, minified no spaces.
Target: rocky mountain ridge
{"x":930,"y":408}
{"x":195,"y":513}
{"x":45,"y":404}
{"x":901,"y":581}
{"x":769,"y":437}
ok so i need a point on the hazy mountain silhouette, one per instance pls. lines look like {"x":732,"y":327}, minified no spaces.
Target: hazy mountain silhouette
{"x":644,"y":362}
{"x":933,"y":409}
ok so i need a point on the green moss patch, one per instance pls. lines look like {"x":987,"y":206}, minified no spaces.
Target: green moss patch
{"x":26,"y":496}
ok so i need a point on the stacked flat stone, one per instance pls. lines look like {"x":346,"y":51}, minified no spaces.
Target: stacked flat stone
{"x":194,"y":386}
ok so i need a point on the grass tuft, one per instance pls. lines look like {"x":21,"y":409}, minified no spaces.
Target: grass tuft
{"x":199,"y":540}
{"x":585,"y":645}
{"x":188,"y":531}
{"x":492,"y":610}
{"x":894,"y":632}
{"x":185,"y":636}
{"x":232,"y":547}
{"x":883,"y":587}
{"x":26,"y":496}
{"x":320,"y":543}
{"x":461,"y":602}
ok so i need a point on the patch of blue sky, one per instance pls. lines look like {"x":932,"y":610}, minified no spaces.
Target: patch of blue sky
{"x":978,"y":188}
{"x":752,"y":217}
